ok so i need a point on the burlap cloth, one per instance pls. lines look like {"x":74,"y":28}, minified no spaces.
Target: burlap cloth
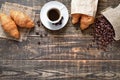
{"x":113,"y":16}
{"x":5,"y":8}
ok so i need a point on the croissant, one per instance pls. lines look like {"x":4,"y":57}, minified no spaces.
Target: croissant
{"x":21,"y":19}
{"x":9,"y":26}
{"x":75,"y":18}
{"x":86,"y":21}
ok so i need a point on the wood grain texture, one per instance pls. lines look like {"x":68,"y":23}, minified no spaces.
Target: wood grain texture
{"x":67,"y":54}
{"x":60,"y":69}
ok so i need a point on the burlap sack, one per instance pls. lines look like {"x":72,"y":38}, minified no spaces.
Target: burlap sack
{"x":113,"y":16}
{"x":27,"y":10}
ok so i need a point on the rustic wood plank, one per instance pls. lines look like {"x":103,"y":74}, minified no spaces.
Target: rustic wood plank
{"x":56,"y":50}
{"x":60,"y":69}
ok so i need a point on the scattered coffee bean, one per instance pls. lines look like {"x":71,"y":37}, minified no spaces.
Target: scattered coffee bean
{"x":45,"y":34}
{"x":93,"y":40}
{"x":103,"y":32}
{"x":88,"y":48}
{"x":90,"y":45}
{"x":38,"y":23}
{"x":77,"y":28}
{"x":41,"y":36}
{"x":38,"y":43}
{"x":37,"y":33}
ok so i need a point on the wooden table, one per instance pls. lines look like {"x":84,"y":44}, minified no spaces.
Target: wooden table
{"x":67,"y":54}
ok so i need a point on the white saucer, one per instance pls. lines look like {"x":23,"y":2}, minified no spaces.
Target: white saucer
{"x":64,"y":13}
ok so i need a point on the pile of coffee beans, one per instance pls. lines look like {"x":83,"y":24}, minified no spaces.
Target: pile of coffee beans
{"x":103,"y":32}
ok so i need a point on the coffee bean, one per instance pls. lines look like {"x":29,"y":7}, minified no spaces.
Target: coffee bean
{"x":38,"y":23}
{"x":39,"y":43}
{"x":45,"y":34}
{"x":37,"y":33}
{"x":103,"y":32}
{"x":41,"y":36}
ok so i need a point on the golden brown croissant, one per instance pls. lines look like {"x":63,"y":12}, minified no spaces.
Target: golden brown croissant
{"x":21,"y":19}
{"x":86,"y":21}
{"x":9,"y":26}
{"x":75,"y":18}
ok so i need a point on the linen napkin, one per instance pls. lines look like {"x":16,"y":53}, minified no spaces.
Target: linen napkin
{"x":88,"y":7}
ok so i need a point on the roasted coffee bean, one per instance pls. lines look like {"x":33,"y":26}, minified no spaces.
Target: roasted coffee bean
{"x":37,"y":33}
{"x":41,"y":36}
{"x":38,"y":23}
{"x":103,"y":32}
{"x":39,"y":43}
{"x":45,"y":34}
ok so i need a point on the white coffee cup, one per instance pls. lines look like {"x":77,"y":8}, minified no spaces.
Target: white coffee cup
{"x":54,"y":15}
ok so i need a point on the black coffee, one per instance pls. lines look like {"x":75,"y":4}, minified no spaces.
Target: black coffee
{"x":53,"y":14}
